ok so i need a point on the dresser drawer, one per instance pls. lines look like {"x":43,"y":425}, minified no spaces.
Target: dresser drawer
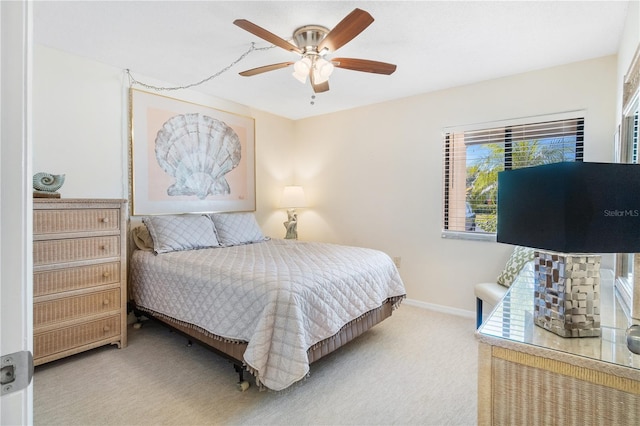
{"x":69,"y":250}
{"x":66,"y":338}
{"x":77,"y":220}
{"x":56,"y":281}
{"x":70,"y":308}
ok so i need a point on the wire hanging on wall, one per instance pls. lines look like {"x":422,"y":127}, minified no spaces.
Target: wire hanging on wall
{"x":253,"y":47}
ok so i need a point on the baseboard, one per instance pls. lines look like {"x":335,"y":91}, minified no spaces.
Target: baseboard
{"x":440,"y":308}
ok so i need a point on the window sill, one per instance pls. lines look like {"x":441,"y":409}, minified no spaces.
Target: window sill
{"x":473,"y":236}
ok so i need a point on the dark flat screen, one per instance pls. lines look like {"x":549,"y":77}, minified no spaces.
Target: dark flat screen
{"x":571,"y":207}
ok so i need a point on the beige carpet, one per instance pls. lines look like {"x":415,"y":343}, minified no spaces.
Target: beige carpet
{"x":417,"y":367}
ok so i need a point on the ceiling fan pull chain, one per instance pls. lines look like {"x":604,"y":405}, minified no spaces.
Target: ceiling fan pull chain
{"x":133,"y":81}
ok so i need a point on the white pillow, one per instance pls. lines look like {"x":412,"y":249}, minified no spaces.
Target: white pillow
{"x":518,"y":259}
{"x":181,"y":232}
{"x":237,"y":228}
{"x":141,"y":238}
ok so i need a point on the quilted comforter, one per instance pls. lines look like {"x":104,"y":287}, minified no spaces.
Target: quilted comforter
{"x":280,"y":296}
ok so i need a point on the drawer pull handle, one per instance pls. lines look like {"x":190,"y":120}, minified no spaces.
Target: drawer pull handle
{"x":105,"y":302}
{"x":104,"y":220}
{"x":106,"y":328}
{"x":106,"y":274}
{"x":103,"y":247}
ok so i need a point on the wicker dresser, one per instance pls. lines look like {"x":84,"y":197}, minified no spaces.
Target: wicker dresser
{"x":79,"y":276}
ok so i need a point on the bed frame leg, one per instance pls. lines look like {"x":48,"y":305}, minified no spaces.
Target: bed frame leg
{"x":243,"y":385}
{"x":138,"y":324}
{"x":240,"y":371}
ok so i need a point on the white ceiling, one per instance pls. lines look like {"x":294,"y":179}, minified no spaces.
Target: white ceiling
{"x":435,"y":44}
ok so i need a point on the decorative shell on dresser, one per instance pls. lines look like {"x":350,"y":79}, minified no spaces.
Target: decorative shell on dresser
{"x":46,"y":182}
{"x":198,"y":151}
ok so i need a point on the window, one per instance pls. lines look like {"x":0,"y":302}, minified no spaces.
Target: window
{"x":473,"y":156}
{"x":626,"y":263}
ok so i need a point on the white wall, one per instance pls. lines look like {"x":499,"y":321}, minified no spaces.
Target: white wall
{"x":374,"y":174}
{"x":78,"y":124}
{"x":81,"y":130}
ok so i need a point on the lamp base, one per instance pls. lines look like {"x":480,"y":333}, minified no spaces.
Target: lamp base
{"x":567,"y":293}
{"x":291,"y":225}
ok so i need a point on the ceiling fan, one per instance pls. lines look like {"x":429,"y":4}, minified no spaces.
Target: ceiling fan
{"x":313,"y":42}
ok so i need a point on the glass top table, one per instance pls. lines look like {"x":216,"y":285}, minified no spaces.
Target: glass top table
{"x":512,"y":320}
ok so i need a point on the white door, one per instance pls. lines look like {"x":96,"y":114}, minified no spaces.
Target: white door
{"x":16,"y":294}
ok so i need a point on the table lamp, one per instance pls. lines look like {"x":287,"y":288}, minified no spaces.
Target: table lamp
{"x":292,"y":197}
{"x":569,"y":211}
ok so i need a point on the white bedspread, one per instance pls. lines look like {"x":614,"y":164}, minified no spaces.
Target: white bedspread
{"x":281,"y":296}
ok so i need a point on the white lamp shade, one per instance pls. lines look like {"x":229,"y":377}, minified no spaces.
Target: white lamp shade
{"x":293,"y":196}
{"x":302,"y":66}
{"x":322,"y":70}
{"x":301,"y":69}
{"x":302,"y":78}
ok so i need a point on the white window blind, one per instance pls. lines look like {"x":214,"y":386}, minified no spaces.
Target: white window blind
{"x":473,"y":157}
{"x":631,"y":121}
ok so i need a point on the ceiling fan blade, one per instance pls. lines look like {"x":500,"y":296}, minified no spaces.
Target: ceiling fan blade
{"x":322,"y":87}
{"x":318,"y":87}
{"x":260,"y":70}
{"x":266,"y":35}
{"x":364,"y":65}
{"x":346,"y":30}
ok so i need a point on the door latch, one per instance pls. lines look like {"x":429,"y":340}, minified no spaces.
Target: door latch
{"x":16,"y":371}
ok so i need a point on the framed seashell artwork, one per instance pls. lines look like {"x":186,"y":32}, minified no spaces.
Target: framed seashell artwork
{"x":189,"y":158}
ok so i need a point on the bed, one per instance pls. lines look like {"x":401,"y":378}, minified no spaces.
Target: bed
{"x":272,"y":306}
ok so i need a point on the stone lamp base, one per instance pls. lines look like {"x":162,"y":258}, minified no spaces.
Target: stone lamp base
{"x":291,"y":225}
{"x":567,"y":293}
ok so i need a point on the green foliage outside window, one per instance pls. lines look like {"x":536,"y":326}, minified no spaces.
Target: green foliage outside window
{"x":482,"y":172}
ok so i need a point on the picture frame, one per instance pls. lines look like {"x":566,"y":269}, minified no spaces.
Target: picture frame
{"x":188,"y":158}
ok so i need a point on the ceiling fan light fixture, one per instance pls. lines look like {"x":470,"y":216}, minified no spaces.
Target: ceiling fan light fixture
{"x":322,"y":69}
{"x":301,"y":69}
{"x":302,"y":66}
{"x":302,"y":78}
